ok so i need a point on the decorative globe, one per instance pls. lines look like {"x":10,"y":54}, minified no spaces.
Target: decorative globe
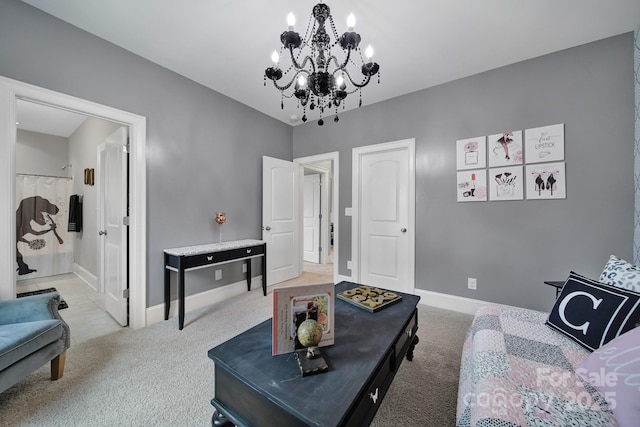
{"x":309,"y":333}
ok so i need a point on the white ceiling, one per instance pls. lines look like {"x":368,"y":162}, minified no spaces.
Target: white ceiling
{"x":226,"y":45}
{"x":47,"y":120}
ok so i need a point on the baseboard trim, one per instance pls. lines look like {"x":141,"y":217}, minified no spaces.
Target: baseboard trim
{"x":450,"y":302}
{"x":342,"y":278}
{"x":86,"y":277}
{"x":155,"y":313}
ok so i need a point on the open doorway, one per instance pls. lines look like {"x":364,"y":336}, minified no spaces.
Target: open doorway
{"x":10,"y":92}
{"x":58,"y":162}
{"x":320,"y":208}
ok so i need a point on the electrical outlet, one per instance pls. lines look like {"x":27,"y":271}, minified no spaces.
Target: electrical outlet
{"x":348,"y":265}
{"x":218,"y":274}
{"x":472,"y":283}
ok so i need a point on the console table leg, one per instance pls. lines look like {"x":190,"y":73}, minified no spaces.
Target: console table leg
{"x":248,"y":264}
{"x":264,"y":271}
{"x":167,"y":291}
{"x":219,"y":420}
{"x":412,"y":347}
{"x":180,"y":298}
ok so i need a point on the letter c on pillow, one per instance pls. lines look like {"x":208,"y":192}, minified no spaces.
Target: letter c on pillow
{"x":565,"y":302}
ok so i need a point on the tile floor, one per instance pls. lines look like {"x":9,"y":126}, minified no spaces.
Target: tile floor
{"x":87,"y":317}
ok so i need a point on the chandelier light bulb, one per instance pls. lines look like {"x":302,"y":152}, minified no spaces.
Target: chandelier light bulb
{"x":368,"y":52}
{"x":351,"y":21}
{"x":339,"y":80}
{"x":291,"y":20}
{"x":275,"y":57}
{"x":302,"y":81}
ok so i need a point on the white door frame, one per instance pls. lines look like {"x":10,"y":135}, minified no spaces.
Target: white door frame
{"x":335,"y":157}
{"x":12,"y":90}
{"x":358,"y":152}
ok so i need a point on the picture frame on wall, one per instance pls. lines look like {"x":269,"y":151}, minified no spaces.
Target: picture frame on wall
{"x":506,"y":183}
{"x":546,"y":181}
{"x":544,"y":144}
{"x":471,"y":153}
{"x":505,"y":149}
{"x":472,"y":186}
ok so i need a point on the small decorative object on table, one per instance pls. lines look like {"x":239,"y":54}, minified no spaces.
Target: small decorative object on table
{"x":369,"y":298}
{"x":221,"y":218}
{"x":310,"y":359}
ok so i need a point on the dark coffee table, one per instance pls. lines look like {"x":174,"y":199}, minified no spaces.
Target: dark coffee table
{"x":254,"y":388}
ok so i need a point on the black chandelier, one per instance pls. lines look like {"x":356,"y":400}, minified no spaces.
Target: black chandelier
{"x":319,"y":79}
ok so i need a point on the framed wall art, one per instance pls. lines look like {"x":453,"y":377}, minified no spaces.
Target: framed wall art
{"x":544,"y":144}
{"x":505,"y":149}
{"x":546,"y":181}
{"x":506,"y":183}
{"x":472,"y":186}
{"x":471,"y":153}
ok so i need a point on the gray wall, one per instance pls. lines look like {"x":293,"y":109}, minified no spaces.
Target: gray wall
{"x":510,"y":247}
{"x":203,"y":149}
{"x":41,"y":154}
{"x":83,"y":153}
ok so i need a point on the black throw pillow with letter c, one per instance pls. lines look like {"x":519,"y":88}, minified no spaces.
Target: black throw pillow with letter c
{"x":592,"y":313}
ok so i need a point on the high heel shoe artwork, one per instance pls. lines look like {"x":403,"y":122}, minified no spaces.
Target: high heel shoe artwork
{"x":551,"y":184}
{"x":546,"y":181}
{"x":539,"y":184}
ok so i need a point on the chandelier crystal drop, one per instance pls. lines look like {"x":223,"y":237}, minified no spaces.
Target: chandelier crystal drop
{"x":317,"y":77}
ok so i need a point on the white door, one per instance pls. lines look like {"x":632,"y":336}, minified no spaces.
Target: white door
{"x":384,"y":203}
{"x":281,"y":225}
{"x":311,"y":218}
{"x":112,"y":208}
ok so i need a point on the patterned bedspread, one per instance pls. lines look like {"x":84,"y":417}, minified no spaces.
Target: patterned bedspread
{"x":516,"y":371}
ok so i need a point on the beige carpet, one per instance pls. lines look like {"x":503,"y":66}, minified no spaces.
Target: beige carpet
{"x":161,"y":376}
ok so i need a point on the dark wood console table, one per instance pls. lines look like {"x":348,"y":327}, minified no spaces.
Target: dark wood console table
{"x":203,"y":256}
{"x":254,"y":388}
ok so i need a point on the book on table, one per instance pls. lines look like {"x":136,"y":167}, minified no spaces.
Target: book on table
{"x":292,"y":305}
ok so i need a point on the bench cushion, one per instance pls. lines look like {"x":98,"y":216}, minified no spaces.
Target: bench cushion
{"x":19,"y":340}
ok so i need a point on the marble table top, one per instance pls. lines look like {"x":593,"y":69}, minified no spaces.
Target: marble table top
{"x":212,"y":247}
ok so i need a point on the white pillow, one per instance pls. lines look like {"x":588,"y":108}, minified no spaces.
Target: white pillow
{"x":620,"y":273}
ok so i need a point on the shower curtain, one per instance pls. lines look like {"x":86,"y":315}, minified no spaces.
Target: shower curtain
{"x":43,"y":244}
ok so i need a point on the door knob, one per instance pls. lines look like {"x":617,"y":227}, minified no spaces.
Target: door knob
{"x":267,"y":228}
{"x":102,"y":233}
{"x":404,"y":230}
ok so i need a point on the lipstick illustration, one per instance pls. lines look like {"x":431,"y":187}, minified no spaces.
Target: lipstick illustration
{"x":473,"y":183}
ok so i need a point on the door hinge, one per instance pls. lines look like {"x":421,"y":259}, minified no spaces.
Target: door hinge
{"x":126,"y":148}
{"x":126,"y":221}
{"x":125,"y":293}
{"x":320,"y":249}
{"x":320,"y":216}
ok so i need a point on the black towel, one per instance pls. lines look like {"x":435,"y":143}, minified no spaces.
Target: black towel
{"x":75,"y":213}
